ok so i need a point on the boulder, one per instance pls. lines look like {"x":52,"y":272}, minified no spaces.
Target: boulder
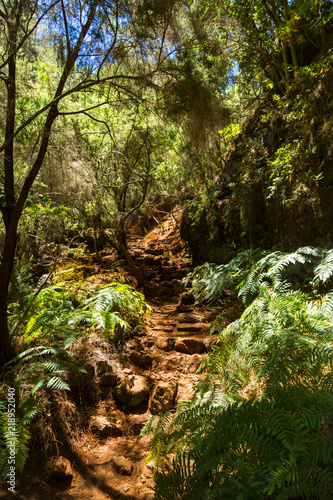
{"x":103,"y":366}
{"x":60,"y":470}
{"x":132,"y":390}
{"x":141,"y":359}
{"x":122,"y":465}
{"x":190,"y":346}
{"x":103,"y":428}
{"x":166,"y":344}
{"x":163,"y":397}
{"x":137,"y":424}
{"x":194,"y":364}
{"x":108,"y":380}
{"x":150,"y":495}
{"x":104,"y":391}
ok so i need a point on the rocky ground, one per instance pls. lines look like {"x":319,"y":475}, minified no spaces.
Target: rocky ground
{"x":105,"y":457}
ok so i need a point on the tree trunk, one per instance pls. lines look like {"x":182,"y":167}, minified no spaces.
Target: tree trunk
{"x":286,"y":66}
{"x":137,"y":273}
{"x":6,"y":350}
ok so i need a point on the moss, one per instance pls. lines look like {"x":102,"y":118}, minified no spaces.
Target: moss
{"x":72,"y":275}
{"x":82,"y":283}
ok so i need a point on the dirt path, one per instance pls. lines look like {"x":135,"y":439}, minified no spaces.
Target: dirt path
{"x":153,"y":373}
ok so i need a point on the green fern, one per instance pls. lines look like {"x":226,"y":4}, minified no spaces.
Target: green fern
{"x":275,"y":448}
{"x":209,"y":280}
{"x":12,"y":433}
{"x":248,"y":270}
{"x":323,"y":273}
{"x":259,"y":425}
{"x":36,"y":377}
{"x":50,"y":313}
{"x":276,"y":268}
{"x":42,"y":369}
{"x":103,"y":310}
{"x":54,"y":313}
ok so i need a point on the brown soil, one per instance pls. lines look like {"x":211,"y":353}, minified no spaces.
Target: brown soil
{"x":167,"y":354}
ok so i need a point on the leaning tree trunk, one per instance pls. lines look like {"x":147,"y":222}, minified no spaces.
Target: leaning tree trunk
{"x":135,"y":270}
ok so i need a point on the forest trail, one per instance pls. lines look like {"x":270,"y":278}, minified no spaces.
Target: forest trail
{"x":156,"y":369}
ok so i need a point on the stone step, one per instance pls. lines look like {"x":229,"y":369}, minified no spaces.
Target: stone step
{"x":141,"y":359}
{"x":181,"y":362}
{"x":165,"y":323}
{"x":154,"y":251}
{"x":190,"y":346}
{"x":148,"y":261}
{"x":188,"y":319}
{"x":168,"y":292}
{"x":165,"y":343}
{"x":164,"y":329}
{"x":190,"y":328}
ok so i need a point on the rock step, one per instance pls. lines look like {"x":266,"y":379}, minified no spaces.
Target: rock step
{"x":154,"y":251}
{"x":191,"y":328}
{"x":183,"y":345}
{"x":165,"y":322}
{"x":141,"y":359}
{"x":190,"y":346}
{"x":187,"y":318}
{"x":181,"y":362}
{"x":163,"y":329}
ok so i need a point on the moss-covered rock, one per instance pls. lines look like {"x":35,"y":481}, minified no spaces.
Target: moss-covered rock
{"x":83,"y":282}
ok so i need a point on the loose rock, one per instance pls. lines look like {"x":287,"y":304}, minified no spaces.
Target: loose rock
{"x":165,"y":344}
{"x":132,"y":391}
{"x":102,"y":367}
{"x":141,"y":359}
{"x":137,"y":424}
{"x":122,"y":465}
{"x":163,"y":397}
{"x":189,"y":346}
{"x":60,"y":470}
{"x":108,"y":380}
{"x":102,"y":427}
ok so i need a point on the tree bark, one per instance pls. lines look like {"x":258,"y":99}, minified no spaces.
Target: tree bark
{"x":6,"y":351}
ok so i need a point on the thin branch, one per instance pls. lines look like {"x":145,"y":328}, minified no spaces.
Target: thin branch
{"x":66,"y":28}
{"x":79,"y":111}
{"x":114,"y":39}
{"x":33,"y":149}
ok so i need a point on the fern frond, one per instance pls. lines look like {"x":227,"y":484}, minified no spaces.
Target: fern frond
{"x":12,"y":434}
{"x":257,"y":448}
{"x":324,"y":270}
{"x":58,"y":384}
{"x":209,"y":280}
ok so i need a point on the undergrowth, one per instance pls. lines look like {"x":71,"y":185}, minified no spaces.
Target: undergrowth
{"x":259,"y":425}
{"x":53,"y":327}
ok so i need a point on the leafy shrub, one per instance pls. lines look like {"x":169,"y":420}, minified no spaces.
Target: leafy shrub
{"x":19,"y":436}
{"x":278,"y":448}
{"x":209,"y":280}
